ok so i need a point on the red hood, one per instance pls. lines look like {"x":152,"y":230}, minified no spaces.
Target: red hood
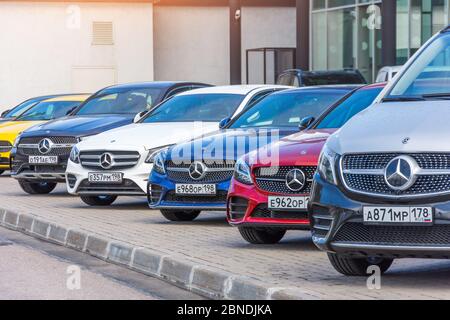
{"x":300,"y":149}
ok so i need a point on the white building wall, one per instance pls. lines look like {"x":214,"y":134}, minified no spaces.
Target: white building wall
{"x":192,"y":43}
{"x":266,"y":27}
{"x":46,"y":49}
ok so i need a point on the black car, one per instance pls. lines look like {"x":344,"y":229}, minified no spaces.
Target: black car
{"x":301,"y":78}
{"x":40,"y":154}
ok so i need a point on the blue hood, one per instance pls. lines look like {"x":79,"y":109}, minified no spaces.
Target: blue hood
{"x":229,"y":144}
{"x":78,"y":126}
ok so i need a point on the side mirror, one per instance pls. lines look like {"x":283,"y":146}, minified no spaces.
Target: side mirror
{"x":139,"y":116}
{"x":4,"y":113}
{"x":224,"y":122}
{"x":305,"y":123}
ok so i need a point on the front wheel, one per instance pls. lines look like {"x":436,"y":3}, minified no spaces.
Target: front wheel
{"x":37,"y":187}
{"x":98,"y":200}
{"x":262,"y":236}
{"x":180,"y":215}
{"x":349,"y":266}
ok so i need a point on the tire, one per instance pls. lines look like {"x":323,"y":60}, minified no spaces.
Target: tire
{"x":357,"y":266}
{"x":180,"y":215}
{"x":98,"y":200}
{"x":262,"y":236}
{"x":37,"y":187}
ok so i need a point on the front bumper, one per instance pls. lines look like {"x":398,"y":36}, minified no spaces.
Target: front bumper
{"x":161,"y":195}
{"x":337,"y":226}
{"x":134,"y":181}
{"x":247,"y":206}
{"x":21,"y":169}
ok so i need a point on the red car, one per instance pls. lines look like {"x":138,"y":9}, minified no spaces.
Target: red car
{"x":276,"y":199}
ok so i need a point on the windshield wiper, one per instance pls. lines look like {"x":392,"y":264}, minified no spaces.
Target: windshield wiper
{"x":437,"y":96}
{"x":403,"y":98}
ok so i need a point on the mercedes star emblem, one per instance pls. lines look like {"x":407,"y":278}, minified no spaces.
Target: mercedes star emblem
{"x":295,"y":180}
{"x":106,"y":160}
{"x":197,"y":170}
{"x":400,"y":173}
{"x":45,"y":146}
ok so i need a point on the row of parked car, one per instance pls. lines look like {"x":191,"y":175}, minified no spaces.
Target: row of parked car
{"x":372,"y":185}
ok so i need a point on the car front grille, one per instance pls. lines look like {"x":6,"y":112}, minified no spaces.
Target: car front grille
{"x":5,"y":146}
{"x":216,"y":172}
{"x":29,"y":146}
{"x":358,"y":233}
{"x":273,"y":179}
{"x":120,"y":159}
{"x":365,"y":173}
{"x":262,"y":211}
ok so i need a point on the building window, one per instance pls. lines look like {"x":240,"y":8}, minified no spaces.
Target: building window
{"x":346,"y":34}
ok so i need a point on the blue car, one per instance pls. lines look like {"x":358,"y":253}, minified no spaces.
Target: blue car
{"x":195,"y":176}
{"x":40,"y":154}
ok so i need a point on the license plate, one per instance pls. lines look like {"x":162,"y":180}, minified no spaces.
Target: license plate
{"x":398,"y":215}
{"x":43,"y":160}
{"x":100,"y":177}
{"x":288,"y":202}
{"x":196,"y":189}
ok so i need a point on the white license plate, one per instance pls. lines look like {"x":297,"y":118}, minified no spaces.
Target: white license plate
{"x":43,"y":160}
{"x":100,"y":177}
{"x":398,"y":215}
{"x":288,"y":202}
{"x":196,"y":189}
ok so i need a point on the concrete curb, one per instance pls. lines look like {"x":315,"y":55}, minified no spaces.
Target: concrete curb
{"x":204,"y":280}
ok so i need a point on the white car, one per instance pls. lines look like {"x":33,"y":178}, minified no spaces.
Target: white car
{"x":118,"y":162}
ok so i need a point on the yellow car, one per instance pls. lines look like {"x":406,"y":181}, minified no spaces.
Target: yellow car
{"x":43,"y":111}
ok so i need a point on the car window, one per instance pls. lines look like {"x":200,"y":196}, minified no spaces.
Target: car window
{"x":287,"y":109}
{"x":21,"y":108}
{"x":121,"y":101}
{"x":317,"y":79}
{"x":347,"y":109}
{"x":195,"y":107}
{"x":287,"y":79}
{"x":177,"y":91}
{"x":429,"y":74}
{"x":48,"y":110}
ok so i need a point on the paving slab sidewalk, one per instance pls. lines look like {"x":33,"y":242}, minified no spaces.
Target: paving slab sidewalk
{"x":206,"y":256}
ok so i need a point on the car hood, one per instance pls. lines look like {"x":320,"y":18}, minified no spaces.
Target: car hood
{"x":80,"y":125}
{"x":148,"y":135}
{"x":9,"y":130}
{"x":299,"y":149}
{"x":396,"y":127}
{"x":228,"y":144}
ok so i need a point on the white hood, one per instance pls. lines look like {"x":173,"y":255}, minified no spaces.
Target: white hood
{"x":147,"y":135}
{"x":404,"y":127}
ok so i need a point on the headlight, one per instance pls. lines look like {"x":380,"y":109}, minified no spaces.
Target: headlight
{"x":242,"y":172}
{"x":327,"y":162}
{"x":158,"y":162}
{"x":152,"y":153}
{"x":75,"y":155}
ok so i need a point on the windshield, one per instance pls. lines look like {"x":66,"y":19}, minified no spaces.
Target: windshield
{"x":196,"y":107}
{"x":18,"y":110}
{"x":429,"y":75}
{"x":288,"y":109}
{"x":48,"y":110}
{"x":347,"y":109}
{"x":121,"y":101}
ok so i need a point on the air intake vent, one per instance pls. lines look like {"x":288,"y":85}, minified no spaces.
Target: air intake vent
{"x":102,"y":33}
